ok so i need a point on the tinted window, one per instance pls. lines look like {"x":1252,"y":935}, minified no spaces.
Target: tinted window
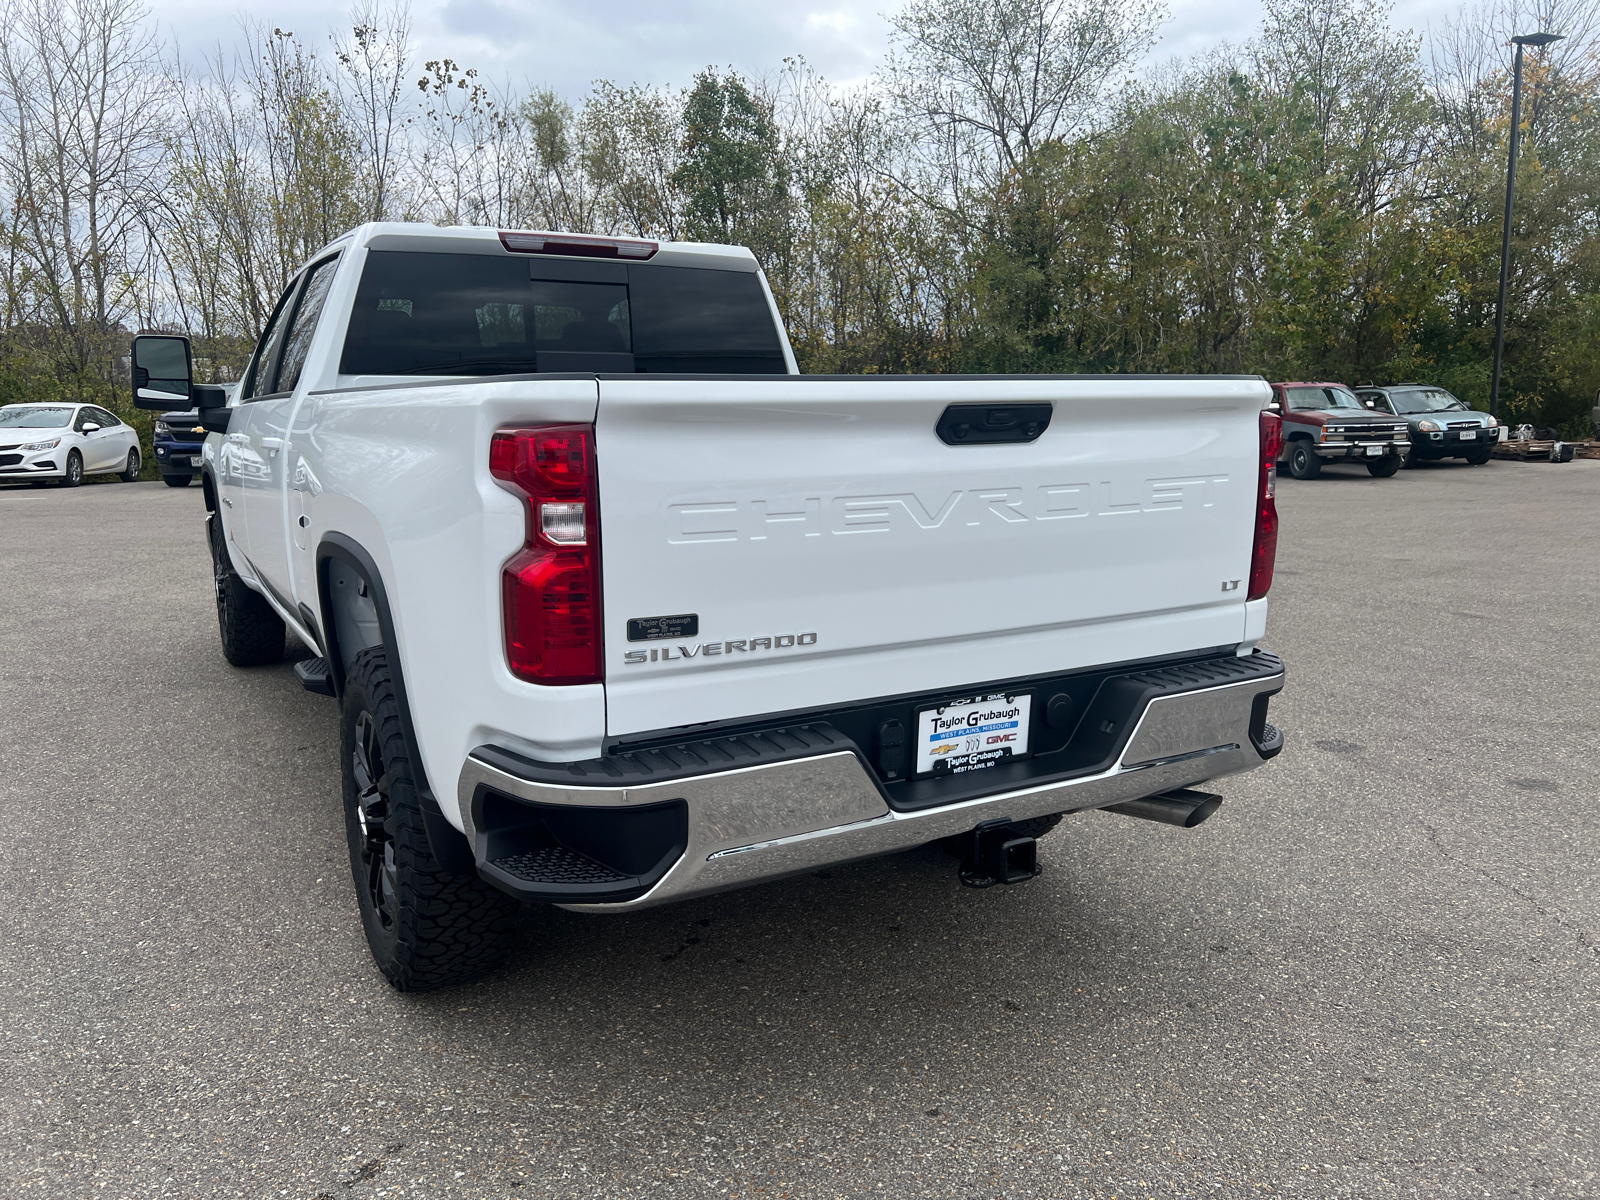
{"x":107,"y":419}
{"x":266,"y":360}
{"x":439,"y":314}
{"x":85,"y":417}
{"x":580,"y":317}
{"x":421,"y":314}
{"x":304,"y":325}
{"x":686,"y":319}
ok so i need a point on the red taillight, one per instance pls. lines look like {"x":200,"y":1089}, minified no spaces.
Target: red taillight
{"x":552,"y":586}
{"x":578,"y":245}
{"x":1264,"y":551}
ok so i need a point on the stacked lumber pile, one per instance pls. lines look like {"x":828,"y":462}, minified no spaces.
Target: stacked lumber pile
{"x":1540,"y":451}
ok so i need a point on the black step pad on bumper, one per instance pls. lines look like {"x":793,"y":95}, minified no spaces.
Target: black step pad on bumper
{"x":662,"y":764}
{"x":571,"y":854}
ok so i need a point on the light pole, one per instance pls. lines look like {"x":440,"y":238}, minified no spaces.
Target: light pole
{"x":1521,"y":40}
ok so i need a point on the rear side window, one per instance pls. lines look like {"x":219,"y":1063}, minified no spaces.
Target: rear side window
{"x":439,"y":314}
{"x":266,"y":359}
{"x":471,"y":314}
{"x":692,"y":320}
{"x":304,"y":325}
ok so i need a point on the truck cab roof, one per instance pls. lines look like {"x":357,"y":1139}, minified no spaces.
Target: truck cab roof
{"x":544,"y":244}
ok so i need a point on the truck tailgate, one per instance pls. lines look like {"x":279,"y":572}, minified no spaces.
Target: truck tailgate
{"x":774,"y":545}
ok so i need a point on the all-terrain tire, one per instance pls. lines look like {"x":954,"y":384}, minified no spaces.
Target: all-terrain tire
{"x":1304,"y":462}
{"x":427,"y":928}
{"x":1382,"y":468}
{"x":130,"y":472}
{"x":252,"y":634}
{"x":74,"y":473}
{"x":176,"y":480}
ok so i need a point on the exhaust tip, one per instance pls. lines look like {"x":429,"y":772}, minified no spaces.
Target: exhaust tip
{"x":1185,"y":807}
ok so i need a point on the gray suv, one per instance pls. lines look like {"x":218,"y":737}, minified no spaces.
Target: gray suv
{"x":1441,"y":425}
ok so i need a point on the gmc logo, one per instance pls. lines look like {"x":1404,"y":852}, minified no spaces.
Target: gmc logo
{"x":844,"y":516}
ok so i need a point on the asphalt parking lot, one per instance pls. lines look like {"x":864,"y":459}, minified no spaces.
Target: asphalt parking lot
{"x":1372,"y":974}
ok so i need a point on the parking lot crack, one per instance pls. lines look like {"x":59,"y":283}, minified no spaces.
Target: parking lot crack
{"x":1580,"y":935}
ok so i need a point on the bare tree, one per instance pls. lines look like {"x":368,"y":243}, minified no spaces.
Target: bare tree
{"x":466,"y":160}
{"x":988,"y":82}
{"x":216,"y":227}
{"x":630,"y":143}
{"x":82,"y":106}
{"x":375,"y":59}
{"x":307,"y":147}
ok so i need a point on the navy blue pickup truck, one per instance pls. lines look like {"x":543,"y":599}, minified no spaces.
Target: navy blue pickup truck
{"x":178,"y":438}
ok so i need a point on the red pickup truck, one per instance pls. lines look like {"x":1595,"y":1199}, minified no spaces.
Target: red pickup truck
{"x":1325,"y":421}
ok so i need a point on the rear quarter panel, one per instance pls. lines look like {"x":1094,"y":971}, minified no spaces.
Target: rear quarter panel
{"x":403,"y":471}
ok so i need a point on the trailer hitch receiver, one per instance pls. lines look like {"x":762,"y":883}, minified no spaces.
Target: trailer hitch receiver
{"x":997,"y":852}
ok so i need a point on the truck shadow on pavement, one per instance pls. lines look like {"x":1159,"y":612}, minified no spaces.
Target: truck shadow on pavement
{"x":874,"y":969}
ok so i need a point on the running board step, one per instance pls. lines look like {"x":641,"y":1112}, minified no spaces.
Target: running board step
{"x":314,"y":676}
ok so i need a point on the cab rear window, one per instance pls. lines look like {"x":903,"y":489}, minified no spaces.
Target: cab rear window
{"x":419,"y":313}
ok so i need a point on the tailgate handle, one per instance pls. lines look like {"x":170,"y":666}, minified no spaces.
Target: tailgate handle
{"x":987,"y":424}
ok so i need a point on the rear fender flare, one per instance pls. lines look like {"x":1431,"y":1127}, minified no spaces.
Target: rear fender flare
{"x":336,"y":551}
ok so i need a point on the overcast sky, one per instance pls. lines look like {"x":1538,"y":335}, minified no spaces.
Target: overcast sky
{"x":570,"y":43}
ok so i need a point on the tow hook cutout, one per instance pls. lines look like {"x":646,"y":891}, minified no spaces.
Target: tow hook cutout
{"x":997,"y":852}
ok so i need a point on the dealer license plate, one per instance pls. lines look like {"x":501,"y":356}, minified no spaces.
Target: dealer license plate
{"x":1469,"y":435}
{"x":973,"y":735}
{"x":1374,"y":451}
{"x":195,"y":460}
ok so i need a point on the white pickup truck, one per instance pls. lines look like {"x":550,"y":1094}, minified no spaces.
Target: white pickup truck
{"x":619,"y":608}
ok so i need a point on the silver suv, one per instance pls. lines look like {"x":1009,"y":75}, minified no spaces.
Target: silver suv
{"x":1442,"y":426}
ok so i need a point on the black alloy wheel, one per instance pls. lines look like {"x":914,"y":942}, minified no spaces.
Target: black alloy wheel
{"x":426,"y":925}
{"x":74,"y":475}
{"x":1303,"y":460}
{"x":377,"y":863}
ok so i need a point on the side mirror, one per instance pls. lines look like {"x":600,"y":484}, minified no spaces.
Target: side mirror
{"x":1371,"y":403}
{"x":212,"y":401}
{"x":163,"y":372}
{"x":89,"y":427}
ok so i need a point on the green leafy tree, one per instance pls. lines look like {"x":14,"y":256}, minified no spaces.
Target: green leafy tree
{"x":732,"y":176}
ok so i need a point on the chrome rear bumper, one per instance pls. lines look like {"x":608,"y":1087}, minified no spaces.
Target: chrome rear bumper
{"x":764,"y":822}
